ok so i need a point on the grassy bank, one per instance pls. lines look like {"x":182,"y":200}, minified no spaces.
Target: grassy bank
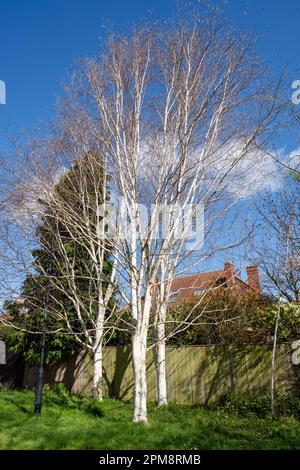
{"x":76,"y":423}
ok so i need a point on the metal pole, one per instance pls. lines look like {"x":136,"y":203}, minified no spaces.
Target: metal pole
{"x":40,"y":371}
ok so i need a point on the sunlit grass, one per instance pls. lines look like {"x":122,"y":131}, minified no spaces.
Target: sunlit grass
{"x":75,"y":423}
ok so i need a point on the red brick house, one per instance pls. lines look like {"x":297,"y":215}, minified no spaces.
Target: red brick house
{"x":190,"y":285}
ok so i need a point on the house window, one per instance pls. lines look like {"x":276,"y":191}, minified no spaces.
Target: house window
{"x":221,"y":282}
{"x":173,"y":297}
{"x":198,"y":291}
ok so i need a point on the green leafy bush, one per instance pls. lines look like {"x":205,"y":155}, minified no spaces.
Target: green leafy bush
{"x":221,"y":316}
{"x":261,"y":327}
{"x":226,"y":317}
{"x":246,"y":405}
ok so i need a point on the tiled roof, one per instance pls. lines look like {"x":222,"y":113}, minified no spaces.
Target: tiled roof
{"x":184,"y":287}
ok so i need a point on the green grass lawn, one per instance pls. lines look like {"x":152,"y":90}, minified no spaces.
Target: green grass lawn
{"x":75,"y":423}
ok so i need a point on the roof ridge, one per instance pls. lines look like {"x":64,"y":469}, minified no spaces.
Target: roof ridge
{"x":199,"y":274}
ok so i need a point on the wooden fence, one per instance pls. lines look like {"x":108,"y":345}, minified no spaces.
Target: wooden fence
{"x":195,"y":374}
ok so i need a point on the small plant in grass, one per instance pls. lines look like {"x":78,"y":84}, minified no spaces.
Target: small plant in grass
{"x":59,"y":395}
{"x":246,"y":405}
{"x":94,"y":407}
{"x":287,"y":404}
{"x":60,"y":392}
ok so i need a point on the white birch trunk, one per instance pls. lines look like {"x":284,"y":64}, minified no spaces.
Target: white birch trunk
{"x":160,"y":360}
{"x":139,"y":352}
{"x":97,"y":373}
{"x":139,"y":349}
{"x":97,"y":390}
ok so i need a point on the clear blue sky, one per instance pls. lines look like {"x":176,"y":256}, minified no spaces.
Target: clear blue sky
{"x":39,"y":41}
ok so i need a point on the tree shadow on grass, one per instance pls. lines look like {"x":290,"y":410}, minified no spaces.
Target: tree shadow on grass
{"x":18,"y":405}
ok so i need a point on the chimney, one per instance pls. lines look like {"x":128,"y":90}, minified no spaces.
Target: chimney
{"x":253,"y":277}
{"x":230,"y":273}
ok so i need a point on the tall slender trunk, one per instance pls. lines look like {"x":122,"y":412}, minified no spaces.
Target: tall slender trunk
{"x":97,"y":390}
{"x":139,"y":350}
{"x":160,"y":359}
{"x":273,"y":367}
{"x":97,"y":373}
